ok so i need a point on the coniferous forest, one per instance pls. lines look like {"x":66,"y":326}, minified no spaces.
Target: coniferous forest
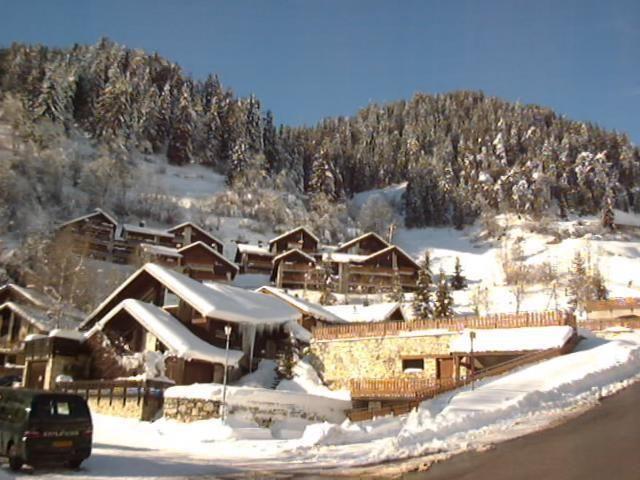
{"x":462,"y":153}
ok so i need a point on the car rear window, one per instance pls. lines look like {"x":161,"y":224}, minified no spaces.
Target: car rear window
{"x":60,"y":408}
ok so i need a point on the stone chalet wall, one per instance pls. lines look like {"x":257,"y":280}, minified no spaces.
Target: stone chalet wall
{"x":264,"y":411}
{"x":340,"y":360}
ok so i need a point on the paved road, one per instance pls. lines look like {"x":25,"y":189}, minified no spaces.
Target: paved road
{"x":603,"y":443}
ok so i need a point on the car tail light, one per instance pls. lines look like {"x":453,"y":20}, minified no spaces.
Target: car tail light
{"x":87,"y":432}
{"x":32,"y":434}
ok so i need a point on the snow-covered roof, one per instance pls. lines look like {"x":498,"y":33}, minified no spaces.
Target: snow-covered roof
{"x":305,"y":306}
{"x":338,"y":257}
{"x":294,"y":251}
{"x":146,"y":230}
{"x":160,"y":250}
{"x":377,"y":312}
{"x":353,"y":241}
{"x":513,"y":339}
{"x":32,"y":296}
{"x":196,"y":227}
{"x":213,"y":251}
{"x":290,"y":232}
{"x":214,"y":300}
{"x":40,"y":318}
{"x":255,"y":249}
{"x":97,"y":211}
{"x":180,"y":341}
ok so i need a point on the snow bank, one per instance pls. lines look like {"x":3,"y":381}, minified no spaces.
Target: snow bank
{"x":512,"y":339}
{"x":279,"y":404}
{"x":306,"y":380}
{"x":496,"y":410}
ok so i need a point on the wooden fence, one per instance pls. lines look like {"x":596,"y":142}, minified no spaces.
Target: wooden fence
{"x":381,"y":329}
{"x":416,"y":391}
{"x":603,"y":324}
{"x":140,"y":399}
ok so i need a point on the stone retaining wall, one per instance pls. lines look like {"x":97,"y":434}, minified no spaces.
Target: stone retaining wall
{"x":340,"y":360}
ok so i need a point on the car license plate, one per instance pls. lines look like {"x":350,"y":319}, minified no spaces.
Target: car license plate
{"x":63,"y":443}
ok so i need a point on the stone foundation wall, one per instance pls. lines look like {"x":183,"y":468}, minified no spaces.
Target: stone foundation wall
{"x":340,"y":360}
{"x":264,"y":412}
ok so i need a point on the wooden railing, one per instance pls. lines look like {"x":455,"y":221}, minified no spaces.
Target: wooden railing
{"x":416,"y":391}
{"x":114,"y":390}
{"x":531,"y":319}
{"x":603,"y":324}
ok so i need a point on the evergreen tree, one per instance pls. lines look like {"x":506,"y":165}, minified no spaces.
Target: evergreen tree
{"x":598,"y":289}
{"x":180,"y":149}
{"x":422,"y":302}
{"x":397,"y":294}
{"x":608,"y":216}
{"x":444,"y":301}
{"x":288,"y":358}
{"x":578,"y":282}
{"x":458,"y":282}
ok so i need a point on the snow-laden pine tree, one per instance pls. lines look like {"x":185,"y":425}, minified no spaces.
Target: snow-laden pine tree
{"x":422,"y":302}
{"x":458,"y":281}
{"x":608,"y":216}
{"x":180,"y":149}
{"x":443,"y":307}
{"x":578,"y":282}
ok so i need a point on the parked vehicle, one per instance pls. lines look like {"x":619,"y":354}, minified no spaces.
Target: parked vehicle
{"x":40,"y":427}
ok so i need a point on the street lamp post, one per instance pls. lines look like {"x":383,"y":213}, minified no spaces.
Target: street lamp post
{"x":223,"y":406}
{"x":472,"y":336}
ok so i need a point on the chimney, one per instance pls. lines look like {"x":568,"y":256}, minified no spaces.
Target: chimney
{"x":141,"y":223}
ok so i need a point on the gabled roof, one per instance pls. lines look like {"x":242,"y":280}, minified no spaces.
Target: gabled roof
{"x":180,"y":341}
{"x":294,"y":251}
{"x":305,"y":306}
{"x":39,"y":318}
{"x":291,"y":232}
{"x":39,"y":300}
{"x":97,"y":211}
{"x":214,"y":300}
{"x":350,"y":243}
{"x":196,"y":227}
{"x":146,"y":230}
{"x":213,"y":251}
{"x":389,"y":249}
{"x":377,"y":312}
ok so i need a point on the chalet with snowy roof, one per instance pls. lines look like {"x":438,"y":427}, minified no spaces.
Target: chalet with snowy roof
{"x":395,"y":362}
{"x":253,"y":258}
{"x":377,"y":312}
{"x":312,"y":314}
{"x":299,"y":238}
{"x":260,"y":324}
{"x":205,"y":263}
{"x":143,"y":327}
{"x":17,"y":321}
{"x":91,"y":234}
{"x":188,"y":232}
{"x":373,"y":272}
{"x":296,"y":269}
{"x":136,"y":234}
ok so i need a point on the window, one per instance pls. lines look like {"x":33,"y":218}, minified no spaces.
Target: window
{"x":412,"y":365}
{"x":48,"y":407}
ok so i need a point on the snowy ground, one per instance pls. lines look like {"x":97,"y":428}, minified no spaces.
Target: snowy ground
{"x":497,"y":409}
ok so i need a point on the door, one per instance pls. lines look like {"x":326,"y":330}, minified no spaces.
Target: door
{"x":445,"y":368}
{"x":37,"y":371}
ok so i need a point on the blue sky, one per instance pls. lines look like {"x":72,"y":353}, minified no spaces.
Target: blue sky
{"x":307,"y":60}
